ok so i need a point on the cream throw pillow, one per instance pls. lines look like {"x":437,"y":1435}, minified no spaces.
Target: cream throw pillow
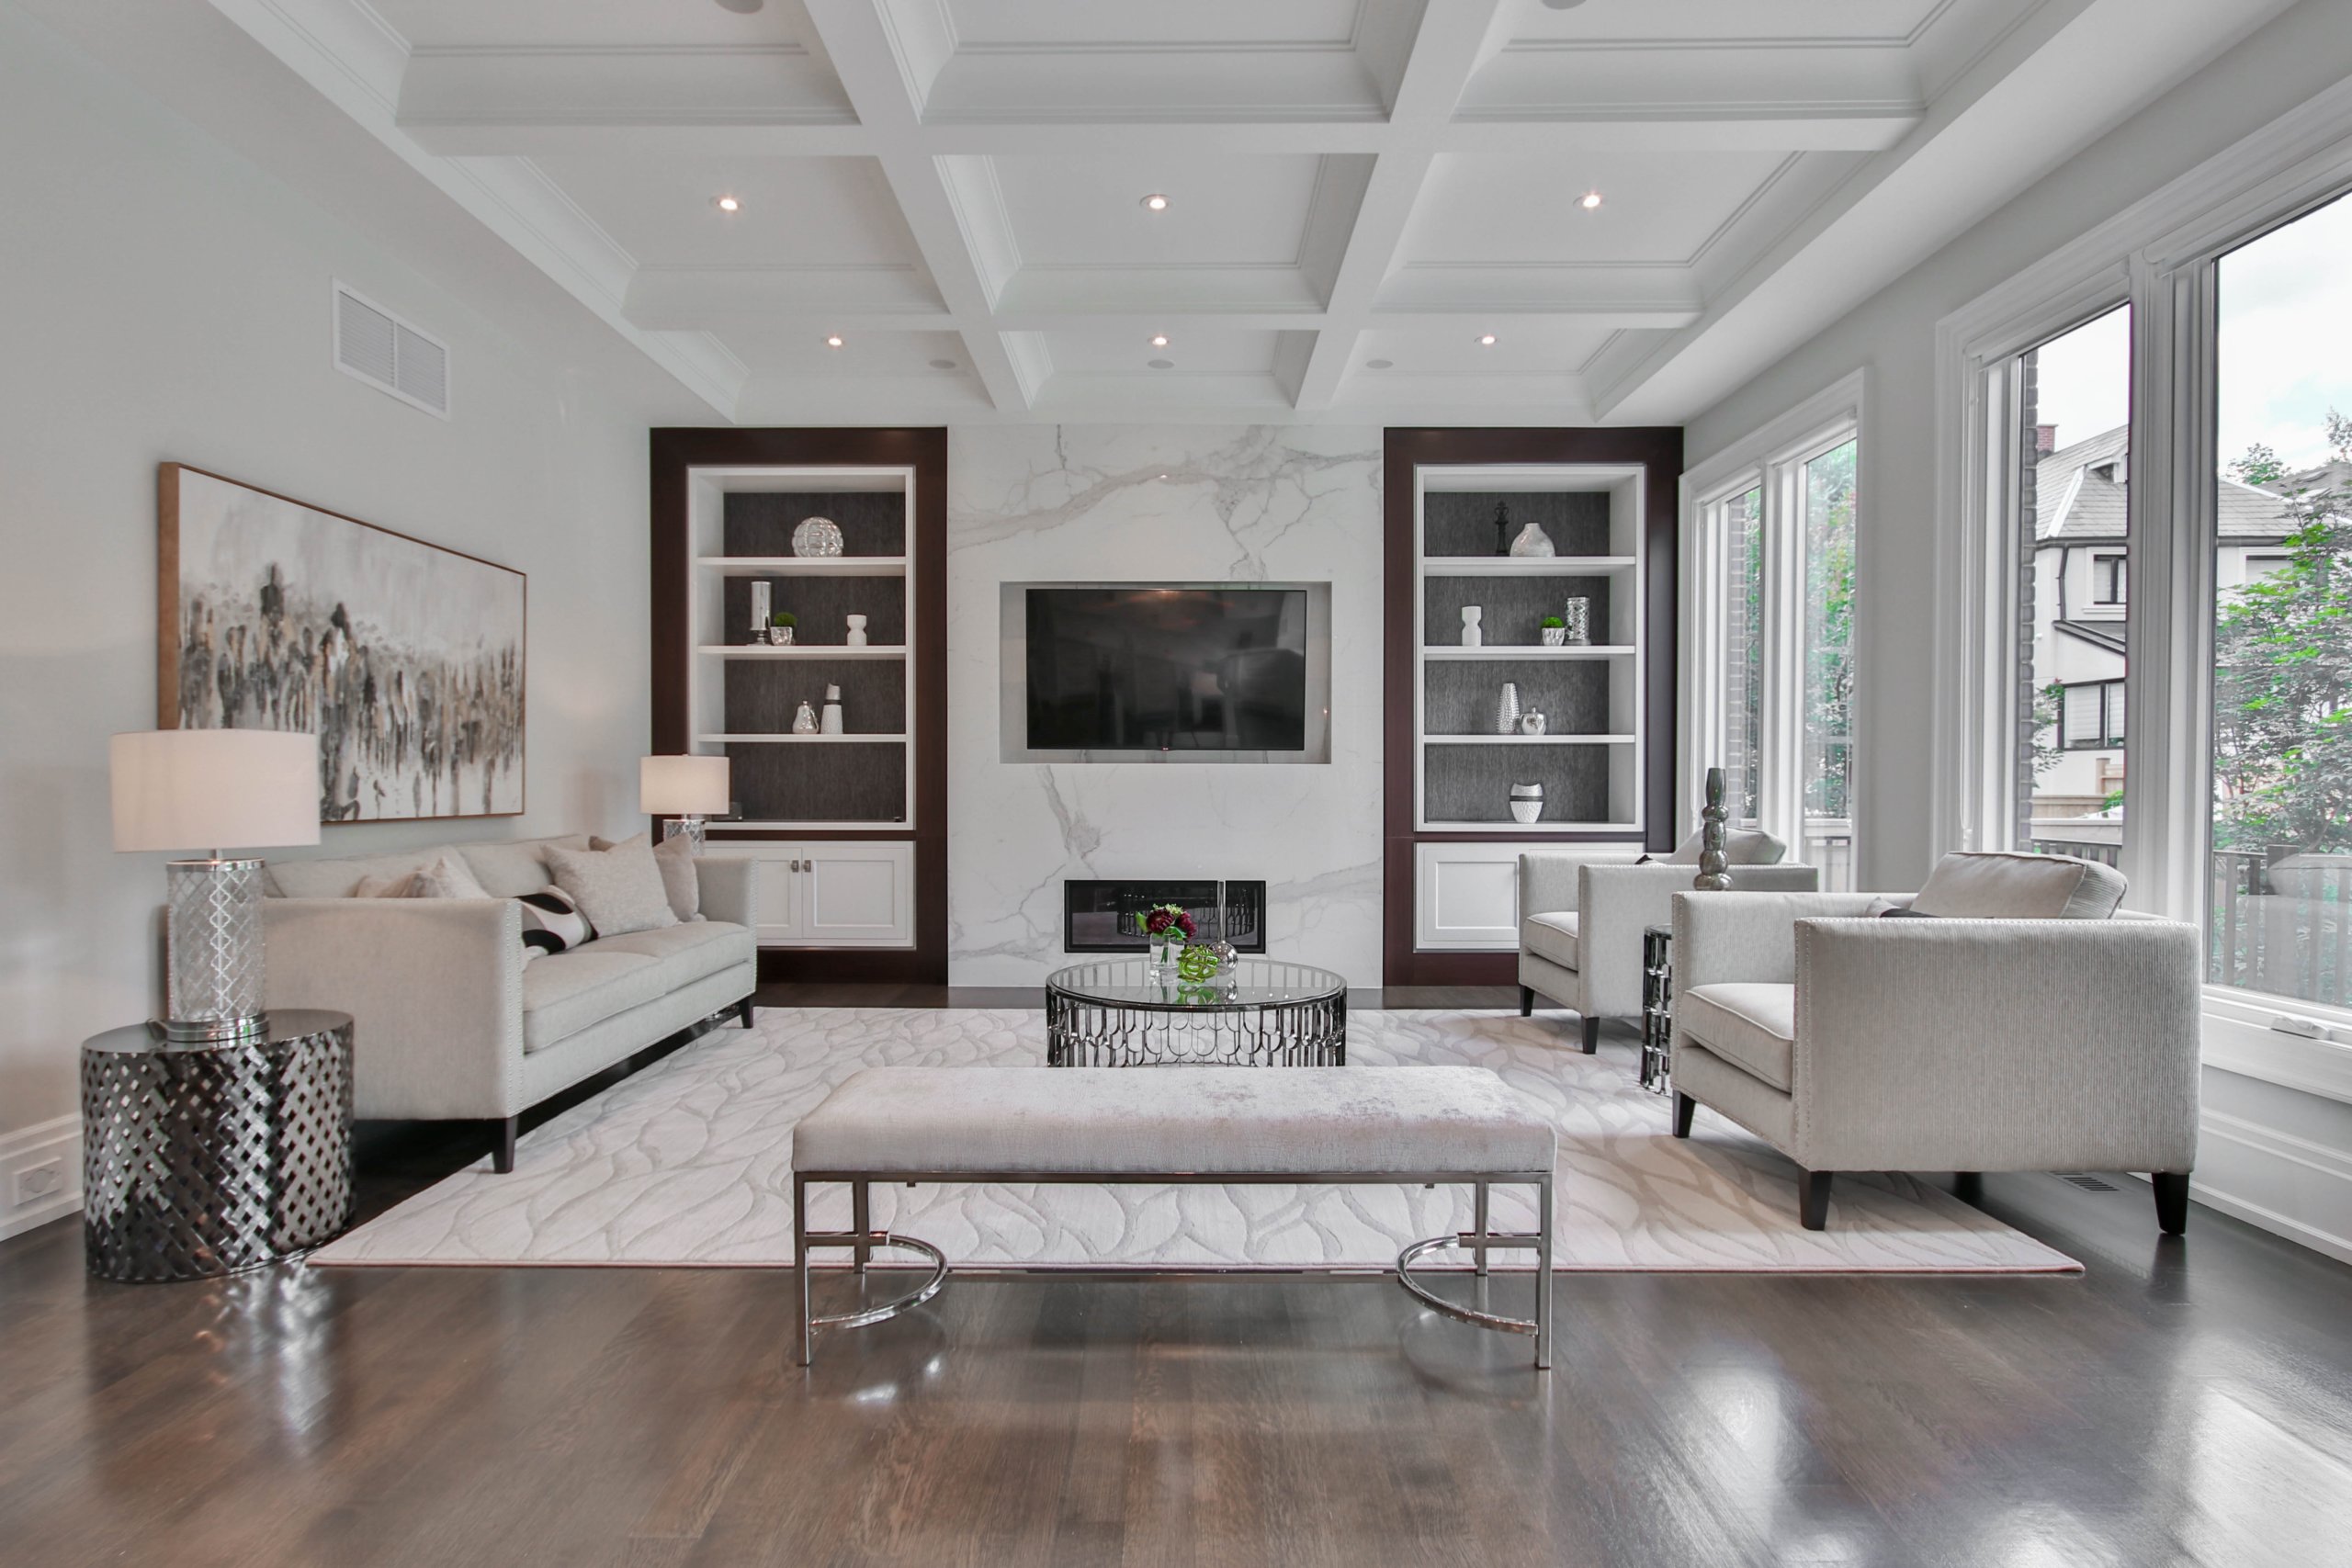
{"x":619,"y":889}
{"x":444,"y":876}
{"x":676,"y":859}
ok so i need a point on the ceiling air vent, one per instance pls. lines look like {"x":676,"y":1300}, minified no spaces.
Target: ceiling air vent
{"x":380,"y":349}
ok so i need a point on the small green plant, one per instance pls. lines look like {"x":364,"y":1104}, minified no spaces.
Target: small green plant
{"x":1197,"y":962}
{"x":784,"y":618}
{"x":1553,"y":622}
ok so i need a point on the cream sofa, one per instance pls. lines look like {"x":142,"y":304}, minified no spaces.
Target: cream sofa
{"x":452,"y":1024}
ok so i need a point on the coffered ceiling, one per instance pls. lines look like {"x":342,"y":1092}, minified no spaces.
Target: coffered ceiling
{"x":1640,"y":202}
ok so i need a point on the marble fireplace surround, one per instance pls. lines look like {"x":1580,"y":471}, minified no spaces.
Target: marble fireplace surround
{"x":1174,"y":503}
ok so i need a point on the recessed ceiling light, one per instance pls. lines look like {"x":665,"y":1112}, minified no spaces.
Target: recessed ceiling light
{"x":1161,"y":363}
{"x":1485,"y":339}
{"x":741,"y":7}
{"x":833,"y":340}
{"x":943,"y":365}
{"x":1154,"y":202}
{"x":726,"y":204}
{"x":1554,"y":5}
{"x":1589,"y":200}
{"x":1380,"y":364}
{"x":1159,"y":339}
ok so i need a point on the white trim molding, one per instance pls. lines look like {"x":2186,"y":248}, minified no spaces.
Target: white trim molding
{"x":40,"y":1174}
{"x":2287,"y":1185}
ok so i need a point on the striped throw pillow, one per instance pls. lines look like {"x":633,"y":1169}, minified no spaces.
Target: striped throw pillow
{"x":552,"y":923}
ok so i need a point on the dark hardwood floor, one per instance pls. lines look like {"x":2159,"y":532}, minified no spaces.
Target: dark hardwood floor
{"x":2189,"y":1400}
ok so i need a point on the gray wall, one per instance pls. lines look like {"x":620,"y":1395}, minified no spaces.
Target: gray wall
{"x":167,"y":299}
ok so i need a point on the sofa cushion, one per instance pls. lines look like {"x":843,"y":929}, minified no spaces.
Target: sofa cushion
{"x":675,"y":857}
{"x":1751,"y":1025}
{"x":511,"y":868}
{"x":620,"y":888}
{"x":689,"y":950}
{"x":341,"y":879}
{"x":1552,"y":936}
{"x":1995,"y":886}
{"x":564,"y":993}
{"x":1742,"y":846}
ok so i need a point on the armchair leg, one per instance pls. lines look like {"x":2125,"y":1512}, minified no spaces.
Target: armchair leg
{"x":1527,"y":1001}
{"x":743,"y":1012}
{"x":2172,"y":1199}
{"x":1592,"y":1034}
{"x":1968,"y":1186}
{"x":1683,"y":1108}
{"x":501,"y":1154}
{"x":1812,"y":1199}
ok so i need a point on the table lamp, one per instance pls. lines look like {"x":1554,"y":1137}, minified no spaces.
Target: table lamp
{"x":220,"y":789}
{"x":685,"y":790}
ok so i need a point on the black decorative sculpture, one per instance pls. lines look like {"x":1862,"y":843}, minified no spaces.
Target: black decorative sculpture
{"x":1712,"y":861}
{"x":1502,"y":527}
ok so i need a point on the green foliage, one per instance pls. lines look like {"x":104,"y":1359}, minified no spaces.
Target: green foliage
{"x":2260,"y":466}
{"x":1829,"y":632}
{"x":1552,"y":623}
{"x":784,"y":618}
{"x":2048,"y":741}
{"x":2282,"y":678}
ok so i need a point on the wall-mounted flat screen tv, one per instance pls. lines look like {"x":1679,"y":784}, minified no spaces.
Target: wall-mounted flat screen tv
{"x":1167,"y":669}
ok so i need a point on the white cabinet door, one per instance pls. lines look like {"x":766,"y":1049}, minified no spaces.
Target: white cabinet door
{"x":831,"y":894}
{"x":857,"y":895}
{"x":1465,"y":896}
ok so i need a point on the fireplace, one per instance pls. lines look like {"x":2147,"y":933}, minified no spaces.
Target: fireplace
{"x":1107,"y":916}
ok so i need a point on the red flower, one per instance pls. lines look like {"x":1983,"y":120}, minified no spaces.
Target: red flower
{"x":1160,"y":920}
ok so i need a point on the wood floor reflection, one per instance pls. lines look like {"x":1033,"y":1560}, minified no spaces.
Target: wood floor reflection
{"x":2187,"y":1401}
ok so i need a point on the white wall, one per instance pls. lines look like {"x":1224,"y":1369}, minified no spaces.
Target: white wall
{"x":2271,"y":1153}
{"x":1893,"y":334}
{"x":167,"y":299}
{"x":1172,"y":503}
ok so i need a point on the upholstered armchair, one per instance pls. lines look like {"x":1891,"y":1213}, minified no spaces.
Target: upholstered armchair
{"x":1850,"y":1041}
{"x":1580,"y":921}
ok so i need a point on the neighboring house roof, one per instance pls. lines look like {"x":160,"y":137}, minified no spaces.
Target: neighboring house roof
{"x":2108,"y":634}
{"x":2081,"y":497}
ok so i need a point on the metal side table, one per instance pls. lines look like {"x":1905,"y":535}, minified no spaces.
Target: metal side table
{"x":1657,"y":1008}
{"x":200,"y":1159}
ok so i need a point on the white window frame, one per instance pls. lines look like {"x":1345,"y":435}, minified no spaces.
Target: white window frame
{"x":1773,"y":459}
{"x":2158,"y":256}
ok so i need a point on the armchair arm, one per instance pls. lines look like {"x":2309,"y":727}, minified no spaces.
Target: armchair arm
{"x":1747,"y":936}
{"x":433,"y":986}
{"x":2005,"y":1045}
{"x":1547,"y":879}
{"x":725,"y":882}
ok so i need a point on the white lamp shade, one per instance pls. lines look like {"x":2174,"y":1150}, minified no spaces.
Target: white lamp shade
{"x":682,"y":786}
{"x":214,"y":789}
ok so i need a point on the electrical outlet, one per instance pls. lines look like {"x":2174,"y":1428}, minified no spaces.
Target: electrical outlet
{"x":35,"y":1182}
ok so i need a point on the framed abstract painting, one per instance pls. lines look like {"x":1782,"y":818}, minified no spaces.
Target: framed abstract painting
{"x":405,"y":658}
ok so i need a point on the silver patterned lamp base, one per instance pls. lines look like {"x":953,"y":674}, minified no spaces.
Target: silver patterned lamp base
{"x":214,"y":989}
{"x":689,"y":828}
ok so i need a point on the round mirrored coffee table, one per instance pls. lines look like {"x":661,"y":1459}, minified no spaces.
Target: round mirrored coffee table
{"x":1257,"y":1012}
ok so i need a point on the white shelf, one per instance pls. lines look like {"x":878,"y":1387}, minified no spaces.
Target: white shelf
{"x":1514,"y":652}
{"x":799,"y":650}
{"x":1530,"y":739}
{"x":804,"y":566}
{"x":1497,"y":830}
{"x":799,"y":739}
{"x":1526,"y":566}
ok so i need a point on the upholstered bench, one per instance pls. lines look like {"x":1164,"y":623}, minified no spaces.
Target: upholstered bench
{"x":1294,"y":1125}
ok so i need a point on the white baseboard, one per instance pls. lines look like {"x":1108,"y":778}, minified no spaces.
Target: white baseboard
{"x":40,"y":1174}
{"x":2288,"y":1185}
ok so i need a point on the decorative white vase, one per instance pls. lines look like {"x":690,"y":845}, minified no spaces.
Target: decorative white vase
{"x":1527,"y":803}
{"x":832,"y":723}
{"x":1472,"y":635}
{"x":857,"y":637}
{"x":1554,"y":636}
{"x":1506,"y":709}
{"x":1533,"y":541}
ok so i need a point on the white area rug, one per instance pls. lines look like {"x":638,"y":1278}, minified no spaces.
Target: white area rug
{"x":689,"y":1164}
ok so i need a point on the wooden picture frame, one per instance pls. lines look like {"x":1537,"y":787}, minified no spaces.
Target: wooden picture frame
{"x":406,"y":657}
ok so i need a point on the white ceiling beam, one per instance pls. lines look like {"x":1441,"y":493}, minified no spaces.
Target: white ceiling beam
{"x":866,"y":55}
{"x":1455,"y":38}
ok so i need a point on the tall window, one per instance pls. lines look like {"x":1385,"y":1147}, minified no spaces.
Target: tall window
{"x":1742,"y":523}
{"x":2073,"y":400}
{"x":1829,"y":648}
{"x":2282,"y":836}
{"x":1774,"y":651}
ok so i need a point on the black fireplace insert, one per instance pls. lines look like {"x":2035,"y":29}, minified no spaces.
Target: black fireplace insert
{"x":1107,"y":916}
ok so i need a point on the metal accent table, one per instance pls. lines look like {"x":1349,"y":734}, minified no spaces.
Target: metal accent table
{"x":1657,"y":1008}
{"x":1259,"y":1012}
{"x":206,"y":1159}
